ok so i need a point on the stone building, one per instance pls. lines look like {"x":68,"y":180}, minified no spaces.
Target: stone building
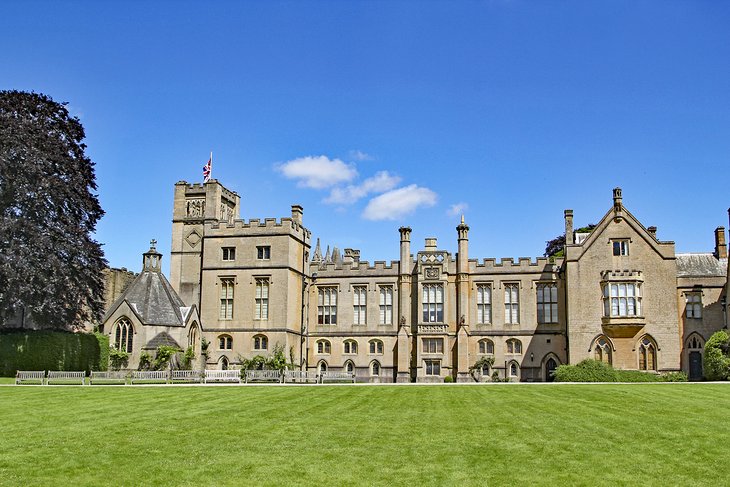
{"x":619,"y":294}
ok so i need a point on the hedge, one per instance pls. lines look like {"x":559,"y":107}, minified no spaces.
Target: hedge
{"x":51,"y":350}
{"x":594,"y":371}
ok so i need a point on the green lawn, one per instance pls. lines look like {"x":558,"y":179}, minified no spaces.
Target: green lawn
{"x":654,"y":434}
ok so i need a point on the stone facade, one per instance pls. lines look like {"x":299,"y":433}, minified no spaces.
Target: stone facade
{"x":618,"y":294}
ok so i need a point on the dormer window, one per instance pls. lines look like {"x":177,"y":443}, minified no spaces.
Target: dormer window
{"x":620,"y":247}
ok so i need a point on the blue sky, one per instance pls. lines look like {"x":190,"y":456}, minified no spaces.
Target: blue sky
{"x":377,"y":114}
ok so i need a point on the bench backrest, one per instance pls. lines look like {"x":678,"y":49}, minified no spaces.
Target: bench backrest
{"x":223,"y":374}
{"x":186,"y":374}
{"x":263,"y":374}
{"x":59,"y":374}
{"x":149,"y":374}
{"x":337,"y":376}
{"x":30,"y":374}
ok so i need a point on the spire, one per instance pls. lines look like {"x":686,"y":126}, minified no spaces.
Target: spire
{"x":317,"y":256}
{"x":462,"y":218}
{"x":336,"y":256}
{"x":327,"y":257}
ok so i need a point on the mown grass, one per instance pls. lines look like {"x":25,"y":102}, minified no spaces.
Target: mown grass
{"x":654,"y":434}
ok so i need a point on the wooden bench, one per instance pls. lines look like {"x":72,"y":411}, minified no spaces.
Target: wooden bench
{"x":186,"y":376}
{"x":300,"y":376}
{"x":112,"y":377}
{"x":222,"y":376}
{"x":30,"y":377}
{"x":263,"y":376}
{"x":337,"y":377}
{"x":150,"y":376}
{"x":66,"y":377}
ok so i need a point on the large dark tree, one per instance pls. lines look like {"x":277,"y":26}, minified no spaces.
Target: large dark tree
{"x":556,"y":246}
{"x":50,"y":266}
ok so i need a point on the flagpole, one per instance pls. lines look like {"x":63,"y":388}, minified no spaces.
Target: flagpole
{"x":211,"y":164}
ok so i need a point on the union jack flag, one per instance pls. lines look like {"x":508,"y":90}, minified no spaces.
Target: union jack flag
{"x":207,"y":169}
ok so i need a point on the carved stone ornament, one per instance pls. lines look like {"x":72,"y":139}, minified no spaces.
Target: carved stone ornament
{"x":402,"y":320}
{"x":432,"y":273}
{"x":195,"y":208}
{"x":193,"y":238}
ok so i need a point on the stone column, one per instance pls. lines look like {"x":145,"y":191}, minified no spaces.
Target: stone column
{"x":404,"y":306}
{"x":462,"y":292}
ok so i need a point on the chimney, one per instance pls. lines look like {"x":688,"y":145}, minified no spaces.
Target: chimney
{"x":652,"y":231}
{"x":297,"y":212}
{"x":568,"y":227}
{"x":351,"y":256}
{"x":405,"y":250}
{"x":431,"y":243}
{"x":720,"y":245}
{"x":617,"y":200}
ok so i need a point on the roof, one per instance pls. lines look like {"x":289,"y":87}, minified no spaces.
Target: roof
{"x":162,"y":339}
{"x":154,"y":301}
{"x":700,"y":265}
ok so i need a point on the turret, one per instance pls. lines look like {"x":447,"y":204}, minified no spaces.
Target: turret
{"x":152,"y":259}
{"x":720,"y":245}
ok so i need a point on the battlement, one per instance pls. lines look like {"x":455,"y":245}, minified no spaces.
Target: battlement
{"x":258,"y":227}
{"x":361,"y":268}
{"x":199,"y":188}
{"x":508,"y":264}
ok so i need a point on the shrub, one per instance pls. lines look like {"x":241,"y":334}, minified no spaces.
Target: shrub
{"x":118,"y":359}
{"x":187,"y":360}
{"x":448,"y":379}
{"x":590,"y":370}
{"x":163,"y":356}
{"x":717,"y":362}
{"x":145,"y":361}
{"x":49,"y":350}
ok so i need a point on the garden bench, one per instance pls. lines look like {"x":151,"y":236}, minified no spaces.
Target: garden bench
{"x":66,"y":377}
{"x":113,"y":377}
{"x":30,"y":376}
{"x":337,"y":377}
{"x":263,"y":376}
{"x":186,"y":376}
{"x":149,"y":376}
{"x":300,"y":376}
{"x":222,"y":376}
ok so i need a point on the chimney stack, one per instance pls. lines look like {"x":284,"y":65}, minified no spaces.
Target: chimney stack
{"x":617,"y":200}
{"x":568,"y":227}
{"x":720,"y":245}
{"x":297,"y":212}
{"x":652,"y":231}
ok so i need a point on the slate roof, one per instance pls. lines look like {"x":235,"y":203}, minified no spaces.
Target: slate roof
{"x":162,"y":339}
{"x":153,"y":300}
{"x":700,"y":265}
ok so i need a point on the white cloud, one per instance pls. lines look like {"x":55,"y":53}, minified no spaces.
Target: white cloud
{"x":381,"y":182}
{"x":399,"y":202}
{"x":458,"y":209}
{"x":359,"y":155}
{"x":317,"y":172}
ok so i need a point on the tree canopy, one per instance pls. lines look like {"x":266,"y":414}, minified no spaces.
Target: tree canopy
{"x":50,"y":266}
{"x":717,"y":356}
{"x":556,"y":246}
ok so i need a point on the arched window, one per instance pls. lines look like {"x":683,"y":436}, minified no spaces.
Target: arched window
{"x":350,"y":346}
{"x":223,"y":363}
{"x":260,"y":342}
{"x":694,"y":342}
{"x":376,"y":347}
{"x":123,"y":335}
{"x":193,"y":336}
{"x":375,"y":368}
{"x":486,"y":346}
{"x":514,"y":346}
{"x":647,"y":354}
{"x":349,"y":367}
{"x":323,"y":346}
{"x":602,"y":350}
{"x":225,"y":342}
{"x":322,"y":367}
{"x":514,"y":370}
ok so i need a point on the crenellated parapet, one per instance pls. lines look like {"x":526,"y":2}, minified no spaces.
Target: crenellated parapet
{"x":256,"y":226}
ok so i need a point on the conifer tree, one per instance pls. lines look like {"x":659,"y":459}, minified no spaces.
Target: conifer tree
{"x":50,"y":266}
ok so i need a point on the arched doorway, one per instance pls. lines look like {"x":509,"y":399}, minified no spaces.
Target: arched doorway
{"x":550,"y":367}
{"x":694,"y":355}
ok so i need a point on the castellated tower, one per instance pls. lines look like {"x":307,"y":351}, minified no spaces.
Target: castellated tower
{"x":194,"y":206}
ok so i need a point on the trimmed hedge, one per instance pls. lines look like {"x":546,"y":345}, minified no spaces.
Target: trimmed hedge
{"x":594,"y":371}
{"x":51,"y":350}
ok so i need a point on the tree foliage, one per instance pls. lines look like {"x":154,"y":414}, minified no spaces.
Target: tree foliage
{"x":556,"y":246}
{"x":50,"y":267}
{"x":717,"y":356}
